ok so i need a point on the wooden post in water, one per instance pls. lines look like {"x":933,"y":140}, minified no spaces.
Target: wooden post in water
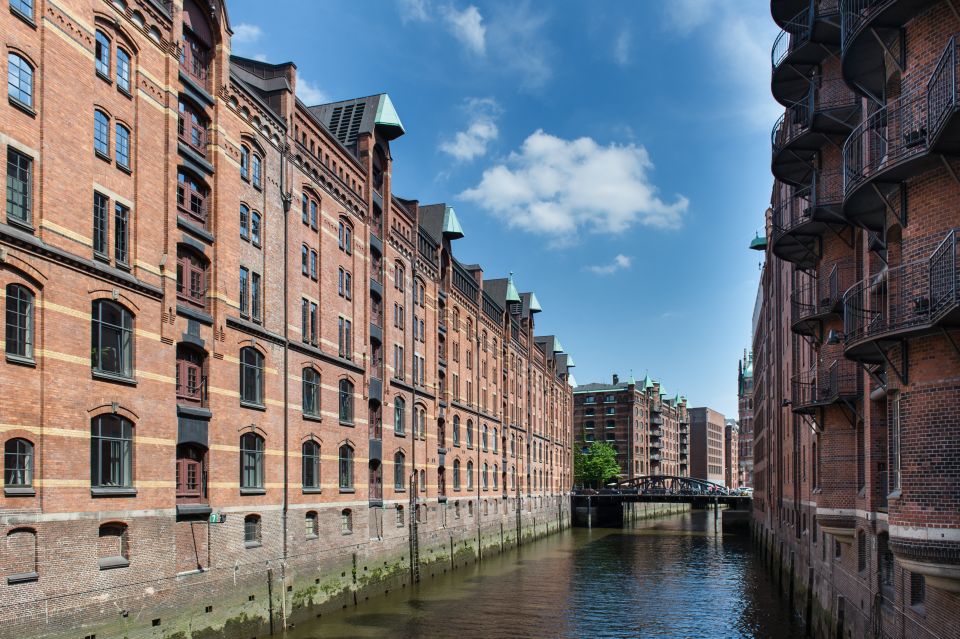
{"x":589,"y":514}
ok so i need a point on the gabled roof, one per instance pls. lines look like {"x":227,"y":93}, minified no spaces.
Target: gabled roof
{"x":511,"y":294}
{"x":451,"y":225}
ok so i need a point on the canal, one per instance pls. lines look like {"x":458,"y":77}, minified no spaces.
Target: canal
{"x":671,"y":577}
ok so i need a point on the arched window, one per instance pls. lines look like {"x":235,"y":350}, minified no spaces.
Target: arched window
{"x":124,"y":69}
{"x":346,"y":401}
{"x":456,"y":430}
{"x":310,"y":461}
{"x":311,"y":523}
{"x":469,"y":433}
{"x":346,"y":521}
{"x":111,"y":452}
{"x":101,"y":54}
{"x":20,"y":548}
{"x":192,"y":197}
{"x":399,"y":516}
{"x":101,"y":133}
{"x":19,"y":333}
{"x":17,"y":463}
{"x":113,"y":547}
{"x":191,"y":376}
{"x":345,"y":465}
{"x":421,"y":413}
{"x":245,"y":165}
{"x":398,"y":276}
{"x":399,"y":416}
{"x":513,"y":478}
{"x":399,"y":474}
{"x":345,"y":236}
{"x":191,"y":277}
{"x":255,"y":172}
{"x":469,"y":475}
{"x":485,"y":437}
{"x":423,"y":481}
{"x":123,"y":146}
{"x":484,"y":479}
{"x":245,"y":223}
{"x":495,"y":439}
{"x":19,"y":80}
{"x":255,"y":222}
{"x":197,"y":43}
{"x":310,"y":390}
{"x":456,"y":474}
{"x":495,"y":477}
{"x":252,"y":531}
{"x":251,"y":376}
{"x":251,"y":461}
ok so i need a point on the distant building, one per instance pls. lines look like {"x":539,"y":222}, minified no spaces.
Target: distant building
{"x":646,"y":427}
{"x":706,"y":444}
{"x":731,"y":453}
{"x":745,"y":396}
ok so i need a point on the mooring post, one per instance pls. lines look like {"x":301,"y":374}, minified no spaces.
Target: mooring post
{"x":589,"y":514}
{"x":716,"y":513}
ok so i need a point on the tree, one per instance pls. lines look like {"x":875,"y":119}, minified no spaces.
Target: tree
{"x":595,"y":467}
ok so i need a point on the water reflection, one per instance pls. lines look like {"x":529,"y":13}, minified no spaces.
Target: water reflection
{"x":674,"y":577}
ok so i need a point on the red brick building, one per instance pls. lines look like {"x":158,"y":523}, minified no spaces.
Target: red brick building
{"x":745,"y":410}
{"x":856,"y":373}
{"x":291,"y":385}
{"x":731,"y":454}
{"x":646,"y":427}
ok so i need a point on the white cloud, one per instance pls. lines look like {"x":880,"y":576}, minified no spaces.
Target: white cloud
{"x":244,"y":34}
{"x":738,"y":42}
{"x":467,"y":27}
{"x":310,"y":93}
{"x":558,"y":187}
{"x":621,"y":48}
{"x":619,"y":262}
{"x":472,"y":143}
{"x":413,"y":10}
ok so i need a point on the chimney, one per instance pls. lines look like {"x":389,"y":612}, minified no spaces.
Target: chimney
{"x":616,"y":379}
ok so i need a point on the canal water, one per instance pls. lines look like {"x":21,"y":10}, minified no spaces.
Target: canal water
{"x":671,"y":577}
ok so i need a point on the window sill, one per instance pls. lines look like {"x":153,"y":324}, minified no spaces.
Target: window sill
{"x":26,"y":108}
{"x":125,"y":92}
{"x":252,"y":544}
{"x":19,"y":491}
{"x":24,"y":17}
{"x":20,"y":360}
{"x":113,"y":377}
{"x":103,"y":76}
{"x":186,"y":224}
{"x":253,"y":406}
{"x":22,"y":578}
{"x":347,"y":491}
{"x":103,"y":156}
{"x":113,"y":491}
{"x":253,"y":491}
{"x":397,"y":489}
{"x":21,"y":224}
{"x":126,"y":169}
{"x":399,"y":434}
{"x":312,"y":491}
{"x":109,"y":563}
{"x":346,"y":423}
{"x":195,"y":314}
{"x":894,"y":495}
{"x":309,"y":537}
{"x":312,"y":418}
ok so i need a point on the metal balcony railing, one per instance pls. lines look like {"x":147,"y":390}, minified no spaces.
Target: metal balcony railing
{"x":894,"y":300}
{"x":797,"y":208}
{"x":823,"y":295}
{"x":193,"y":390}
{"x":825,"y":384}
{"x":944,"y":277}
{"x":796,"y":33}
{"x":855,"y":13}
{"x":890,"y":135}
{"x":942,"y":90}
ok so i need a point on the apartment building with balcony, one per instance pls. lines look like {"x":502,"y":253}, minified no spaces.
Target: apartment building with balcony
{"x":648,"y":429}
{"x":290,"y":380}
{"x":856,"y":371}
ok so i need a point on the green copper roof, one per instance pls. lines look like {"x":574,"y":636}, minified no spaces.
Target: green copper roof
{"x":387,"y":114}
{"x":630,"y":380}
{"x":512,"y":295}
{"x":663,"y":391}
{"x":676,"y":400}
{"x":557,"y":348}
{"x":758,"y":243}
{"x":534,"y":303}
{"x":647,"y":383}
{"x":570,"y":362}
{"x":451,"y":225}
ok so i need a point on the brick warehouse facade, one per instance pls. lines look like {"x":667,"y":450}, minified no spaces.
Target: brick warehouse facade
{"x":292,"y":385}
{"x":647,"y":428}
{"x":745,"y":412}
{"x":731,"y":454}
{"x":857,"y":366}
{"x":707,"y":444}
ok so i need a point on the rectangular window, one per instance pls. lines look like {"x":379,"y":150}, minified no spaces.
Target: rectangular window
{"x":313,"y":265}
{"x":313,"y":215}
{"x":23,"y":7}
{"x":313,"y":323}
{"x":19,"y":187}
{"x":304,"y":201}
{"x":244,"y":291}
{"x":348,"y":286}
{"x":895,"y":445}
{"x":121,"y":234}
{"x":255,"y":296}
{"x":398,"y":361}
{"x":305,"y":319}
{"x":101,"y":224}
{"x":102,"y":55}
{"x":123,"y":70}
{"x":345,"y":338}
{"x":304,"y":260}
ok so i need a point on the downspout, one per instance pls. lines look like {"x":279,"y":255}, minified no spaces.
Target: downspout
{"x":414,"y":434}
{"x":286,"y":199}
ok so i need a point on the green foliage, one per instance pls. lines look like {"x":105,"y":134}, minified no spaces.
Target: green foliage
{"x":595,"y":467}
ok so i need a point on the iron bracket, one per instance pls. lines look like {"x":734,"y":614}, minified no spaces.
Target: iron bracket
{"x":903,"y":361}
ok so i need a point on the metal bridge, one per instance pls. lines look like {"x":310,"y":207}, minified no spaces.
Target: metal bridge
{"x":669,"y":489}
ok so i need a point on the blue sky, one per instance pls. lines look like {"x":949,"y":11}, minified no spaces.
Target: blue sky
{"x":614,"y":155}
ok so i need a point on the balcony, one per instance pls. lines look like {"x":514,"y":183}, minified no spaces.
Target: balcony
{"x":802,"y":216}
{"x":804,"y":42}
{"x":656,"y":432}
{"x":376,"y":390}
{"x":656,"y":419}
{"x":656,"y":444}
{"x":836,"y":381}
{"x":655,"y":457}
{"x":376,"y":287}
{"x":869,"y":29}
{"x":821,"y":298}
{"x":828,"y":109}
{"x":905,"y":301}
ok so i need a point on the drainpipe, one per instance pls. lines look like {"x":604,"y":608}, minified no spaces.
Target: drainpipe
{"x":286,"y":199}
